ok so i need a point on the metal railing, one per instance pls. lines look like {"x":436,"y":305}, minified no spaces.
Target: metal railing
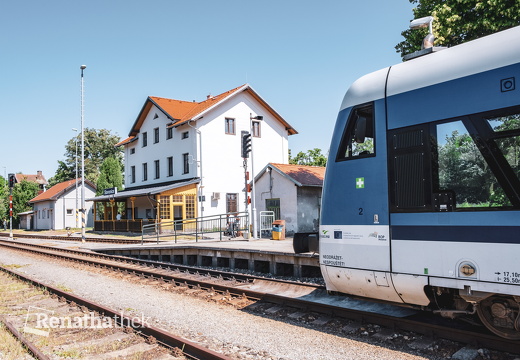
{"x":224,"y":225}
{"x":266,"y":223}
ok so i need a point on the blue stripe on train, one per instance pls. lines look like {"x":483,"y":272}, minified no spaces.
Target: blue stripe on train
{"x":481,"y":234}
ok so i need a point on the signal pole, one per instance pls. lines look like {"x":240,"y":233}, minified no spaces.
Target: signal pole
{"x":246,"y":149}
{"x":11,"y":184}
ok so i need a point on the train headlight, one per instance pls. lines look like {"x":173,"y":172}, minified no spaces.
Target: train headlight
{"x":467,"y":269}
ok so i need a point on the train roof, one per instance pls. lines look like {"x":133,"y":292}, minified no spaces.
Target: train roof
{"x":486,"y":53}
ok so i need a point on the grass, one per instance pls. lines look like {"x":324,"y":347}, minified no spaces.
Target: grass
{"x":10,"y":347}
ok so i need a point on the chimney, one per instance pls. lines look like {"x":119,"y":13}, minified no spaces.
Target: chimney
{"x":39,"y":173}
{"x":208,"y":97}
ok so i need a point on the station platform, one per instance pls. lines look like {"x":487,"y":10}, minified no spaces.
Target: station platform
{"x":275,"y":257}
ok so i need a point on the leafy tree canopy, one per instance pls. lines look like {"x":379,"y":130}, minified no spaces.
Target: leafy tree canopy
{"x":110,"y":176}
{"x":99,"y":145}
{"x":457,"y":21}
{"x":22,"y":193}
{"x":312,"y":157}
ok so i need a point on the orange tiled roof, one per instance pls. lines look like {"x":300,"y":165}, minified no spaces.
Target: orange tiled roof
{"x":125,"y":141}
{"x":54,"y":192}
{"x":38,"y":178}
{"x":180,"y":111}
{"x":304,"y":174}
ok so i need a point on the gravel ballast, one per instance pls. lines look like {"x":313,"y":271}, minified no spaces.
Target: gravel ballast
{"x":220,"y":327}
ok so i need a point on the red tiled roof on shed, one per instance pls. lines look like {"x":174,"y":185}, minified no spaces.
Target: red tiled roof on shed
{"x":303,"y":174}
{"x":54,"y":192}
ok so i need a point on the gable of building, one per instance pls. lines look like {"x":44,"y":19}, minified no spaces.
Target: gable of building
{"x":180,"y":112}
{"x":300,"y":175}
{"x":58,"y":190}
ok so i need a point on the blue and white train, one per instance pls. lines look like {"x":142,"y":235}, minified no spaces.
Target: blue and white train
{"x":421,"y":198}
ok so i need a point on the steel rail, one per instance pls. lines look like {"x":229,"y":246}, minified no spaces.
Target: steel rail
{"x":189,"y":348}
{"x":28,"y":344}
{"x":225,"y":275}
{"x":74,"y":238}
{"x":408,"y":324}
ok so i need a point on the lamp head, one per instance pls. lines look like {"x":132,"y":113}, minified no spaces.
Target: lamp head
{"x":83,"y":67}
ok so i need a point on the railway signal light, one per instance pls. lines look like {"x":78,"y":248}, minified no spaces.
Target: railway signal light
{"x":11,"y":180}
{"x":246,"y":144}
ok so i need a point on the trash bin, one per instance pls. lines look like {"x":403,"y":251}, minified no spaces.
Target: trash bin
{"x":278,"y":231}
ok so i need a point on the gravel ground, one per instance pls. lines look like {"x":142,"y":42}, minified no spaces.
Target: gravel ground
{"x":244,"y":335}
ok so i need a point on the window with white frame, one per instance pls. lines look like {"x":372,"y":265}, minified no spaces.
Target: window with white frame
{"x":230,"y":126}
{"x":256,"y":128}
{"x":145,"y":139}
{"x":170,"y":165}
{"x":157,"y":169}
{"x":155,"y":135}
{"x":145,"y":171}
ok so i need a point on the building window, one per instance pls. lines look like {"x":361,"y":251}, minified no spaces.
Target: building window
{"x":145,"y":139}
{"x":231,"y":203}
{"x":155,"y":135}
{"x":145,"y":171}
{"x":157,"y":169}
{"x":70,"y":212}
{"x":185,"y":135}
{"x":132,"y":151}
{"x":190,"y":206}
{"x":230,"y":126}
{"x":132,"y":174}
{"x":169,"y":133}
{"x":186,"y":163}
{"x":170,"y":166}
{"x":256,"y":128}
{"x":164,"y":211}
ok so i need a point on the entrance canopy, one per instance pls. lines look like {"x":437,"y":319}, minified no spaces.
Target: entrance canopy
{"x":125,"y":194}
{"x":129,"y":209}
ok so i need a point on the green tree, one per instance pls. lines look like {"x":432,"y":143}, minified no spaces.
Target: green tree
{"x":4,"y":199}
{"x":457,"y":21}
{"x":312,"y":157}
{"x":22,"y":193}
{"x":110,"y":176}
{"x":99,"y":145}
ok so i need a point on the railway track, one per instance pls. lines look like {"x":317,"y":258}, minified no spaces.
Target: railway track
{"x":110,"y":240}
{"x":292,"y":295}
{"x":132,"y":336}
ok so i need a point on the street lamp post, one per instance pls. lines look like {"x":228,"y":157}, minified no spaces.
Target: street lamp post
{"x":82,"y":67}
{"x":76,"y":160}
{"x":253,"y":200}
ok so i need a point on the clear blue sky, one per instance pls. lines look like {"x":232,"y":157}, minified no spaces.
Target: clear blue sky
{"x":299,"y":55}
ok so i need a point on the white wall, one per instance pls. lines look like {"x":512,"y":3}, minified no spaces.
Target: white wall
{"x":223,"y":170}
{"x":222,"y":163}
{"x":158,"y":151}
{"x":53,"y":214}
{"x":283,"y":189}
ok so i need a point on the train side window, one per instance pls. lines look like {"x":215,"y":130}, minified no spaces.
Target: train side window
{"x":463,"y":169}
{"x":358,"y":137}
